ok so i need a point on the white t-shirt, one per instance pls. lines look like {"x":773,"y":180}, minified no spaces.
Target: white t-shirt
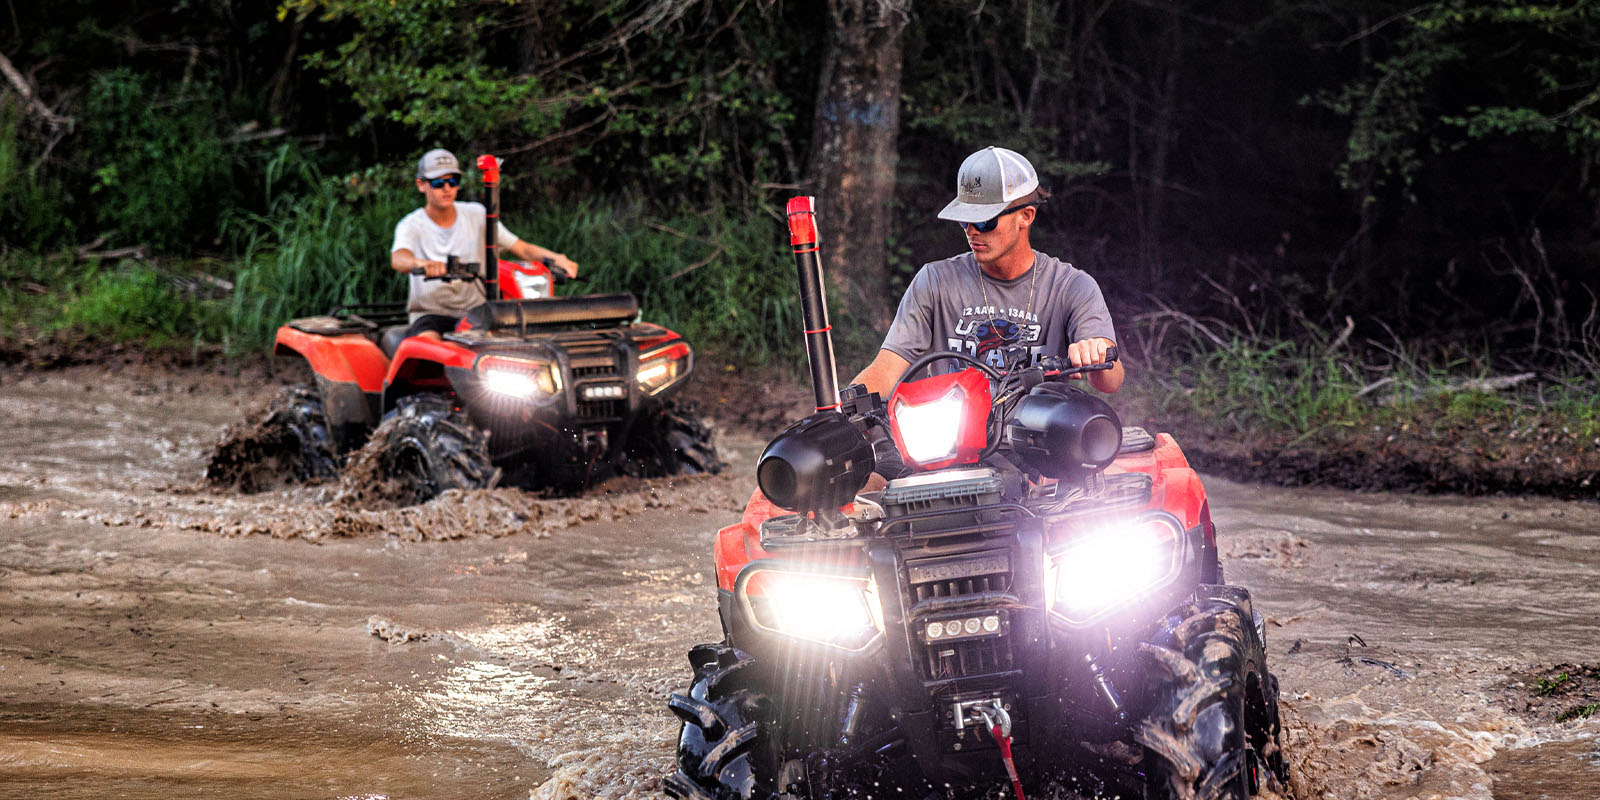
{"x":429,"y":242}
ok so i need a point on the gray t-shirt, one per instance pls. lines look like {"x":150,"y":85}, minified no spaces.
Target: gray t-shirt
{"x":464,"y":240}
{"x":944,"y":309}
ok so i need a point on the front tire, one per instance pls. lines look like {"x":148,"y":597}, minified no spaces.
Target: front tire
{"x":1214,"y":721}
{"x":673,"y":442}
{"x":423,"y":447}
{"x":725,"y":751}
{"x":292,"y":438}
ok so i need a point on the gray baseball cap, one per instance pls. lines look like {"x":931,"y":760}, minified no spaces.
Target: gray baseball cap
{"x":988,"y":181}
{"x":435,"y":163}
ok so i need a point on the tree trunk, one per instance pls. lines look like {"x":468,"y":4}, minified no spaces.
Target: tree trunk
{"x":853,"y":152}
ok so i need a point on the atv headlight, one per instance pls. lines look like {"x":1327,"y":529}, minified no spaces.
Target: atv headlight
{"x":532,"y":286}
{"x":663,"y":367}
{"x":930,"y":429}
{"x":1099,"y":570}
{"x":518,"y":377}
{"x":837,"y":610}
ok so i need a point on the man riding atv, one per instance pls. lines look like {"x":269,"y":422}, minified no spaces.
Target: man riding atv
{"x":1002,"y":303}
{"x":484,"y":377}
{"x":427,"y":237}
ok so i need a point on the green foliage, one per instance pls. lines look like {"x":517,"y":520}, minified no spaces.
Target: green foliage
{"x":1544,"y":687}
{"x":158,"y":167}
{"x":1463,"y":71}
{"x":1010,"y":75}
{"x":668,"y":94}
{"x":723,"y":280}
{"x":33,"y":207}
{"x":322,"y":243}
{"x":1579,"y":712}
{"x":135,"y":302}
{"x":1256,"y":384}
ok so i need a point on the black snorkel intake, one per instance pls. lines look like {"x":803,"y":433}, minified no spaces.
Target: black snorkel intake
{"x":490,"y":167}
{"x":819,"y":463}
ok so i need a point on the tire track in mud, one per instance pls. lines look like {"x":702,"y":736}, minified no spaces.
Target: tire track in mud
{"x":314,"y":513}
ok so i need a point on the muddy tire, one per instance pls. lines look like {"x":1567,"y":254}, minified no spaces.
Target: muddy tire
{"x":1213,"y":727}
{"x":425,"y":446}
{"x":673,"y":442}
{"x":290,"y":442}
{"x":725,"y":750}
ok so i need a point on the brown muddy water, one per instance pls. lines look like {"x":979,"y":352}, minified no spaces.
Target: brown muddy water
{"x":159,"y":639}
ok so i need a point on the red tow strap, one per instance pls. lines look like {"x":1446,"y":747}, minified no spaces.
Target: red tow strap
{"x":1004,"y":741}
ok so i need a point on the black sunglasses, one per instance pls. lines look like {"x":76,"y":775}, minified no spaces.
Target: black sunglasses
{"x":989,"y":224}
{"x":440,"y":183}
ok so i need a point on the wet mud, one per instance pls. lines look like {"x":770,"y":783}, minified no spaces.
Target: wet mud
{"x":163,"y":637}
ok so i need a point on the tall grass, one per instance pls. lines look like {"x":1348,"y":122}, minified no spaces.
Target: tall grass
{"x":719,"y":277}
{"x":322,"y":243}
{"x":1305,"y":387}
{"x":723,"y":280}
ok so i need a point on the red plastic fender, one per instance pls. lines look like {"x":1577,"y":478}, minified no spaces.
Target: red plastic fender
{"x":1181,"y":494}
{"x":425,"y":358}
{"x":346,"y":358}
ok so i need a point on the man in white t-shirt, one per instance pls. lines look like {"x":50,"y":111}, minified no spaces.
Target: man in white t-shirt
{"x":442,"y":228}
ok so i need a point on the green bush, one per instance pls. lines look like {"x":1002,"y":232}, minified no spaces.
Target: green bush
{"x":323,"y":242}
{"x":33,"y":208}
{"x":136,"y":302}
{"x":159,"y":168}
{"x":723,"y":279}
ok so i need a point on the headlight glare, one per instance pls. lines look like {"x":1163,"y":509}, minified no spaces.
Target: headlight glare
{"x":836,"y":610}
{"x":1100,"y":570}
{"x":930,"y":430}
{"x":663,"y":367}
{"x":518,"y":377}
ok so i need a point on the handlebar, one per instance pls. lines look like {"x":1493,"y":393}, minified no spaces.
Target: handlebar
{"x":560,"y":275}
{"x":471,"y":273}
{"x":1059,"y":366}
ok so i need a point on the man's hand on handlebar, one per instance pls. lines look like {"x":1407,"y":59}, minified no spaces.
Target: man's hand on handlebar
{"x":1088,"y":351}
{"x":564,"y":268}
{"x":431,"y":269}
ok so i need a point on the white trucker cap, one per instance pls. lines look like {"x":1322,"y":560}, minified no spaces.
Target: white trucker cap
{"x":437,"y":163}
{"x":988,"y":181}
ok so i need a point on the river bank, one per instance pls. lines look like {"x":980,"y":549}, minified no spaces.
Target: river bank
{"x":1438,"y":445}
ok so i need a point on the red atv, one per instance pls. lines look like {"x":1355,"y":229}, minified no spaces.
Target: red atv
{"x":530,"y":389}
{"x":1033,"y":601}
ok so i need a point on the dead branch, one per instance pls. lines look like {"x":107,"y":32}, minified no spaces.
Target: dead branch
{"x":29,"y":96}
{"x":698,"y":264}
{"x":1168,"y":312}
{"x":1344,"y":335}
{"x":135,"y":252}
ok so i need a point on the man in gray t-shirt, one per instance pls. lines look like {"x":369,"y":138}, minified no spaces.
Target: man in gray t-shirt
{"x":1002,"y":302}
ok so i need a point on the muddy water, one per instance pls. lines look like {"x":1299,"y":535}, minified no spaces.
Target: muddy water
{"x":159,"y":639}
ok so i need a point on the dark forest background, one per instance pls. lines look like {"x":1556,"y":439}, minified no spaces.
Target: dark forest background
{"x":1381,"y":172}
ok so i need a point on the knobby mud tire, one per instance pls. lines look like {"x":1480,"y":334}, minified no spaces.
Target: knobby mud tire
{"x":674,"y":442}
{"x":290,"y":442}
{"x":425,"y":446}
{"x":725,"y":750}
{"x":1214,"y":726}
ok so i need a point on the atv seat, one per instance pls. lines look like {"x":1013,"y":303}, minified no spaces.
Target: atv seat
{"x":597,"y":310}
{"x":391,"y":338}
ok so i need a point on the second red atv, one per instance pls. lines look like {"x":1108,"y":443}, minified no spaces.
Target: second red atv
{"x":531,"y":389}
